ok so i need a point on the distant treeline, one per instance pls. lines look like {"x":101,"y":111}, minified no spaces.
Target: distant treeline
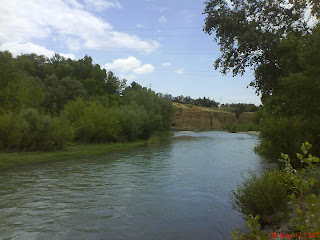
{"x":207,"y":102}
{"x":45,"y":102}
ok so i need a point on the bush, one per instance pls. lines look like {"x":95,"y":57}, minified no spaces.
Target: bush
{"x":132,"y":120}
{"x":305,"y":216}
{"x":265,"y":196}
{"x":285,"y":134}
{"x":30,"y":130}
{"x":93,"y":123}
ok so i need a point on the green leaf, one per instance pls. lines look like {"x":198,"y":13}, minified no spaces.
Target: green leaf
{"x":312,"y":180}
{"x":303,"y":148}
{"x":292,"y":196}
{"x":300,"y":156}
{"x":284,"y":156}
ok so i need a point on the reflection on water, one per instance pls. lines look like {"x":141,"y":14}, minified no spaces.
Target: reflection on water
{"x":179,"y":190}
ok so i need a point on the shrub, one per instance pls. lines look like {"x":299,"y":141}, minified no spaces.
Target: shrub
{"x":93,"y":123}
{"x":132,"y":120}
{"x":266,"y":195}
{"x":306,"y":205}
{"x":30,"y":130}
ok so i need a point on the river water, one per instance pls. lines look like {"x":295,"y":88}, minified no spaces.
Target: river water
{"x":178,"y":190}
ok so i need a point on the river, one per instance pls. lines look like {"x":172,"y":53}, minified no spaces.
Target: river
{"x":178,"y":190}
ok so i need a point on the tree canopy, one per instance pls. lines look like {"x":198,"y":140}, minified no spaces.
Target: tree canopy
{"x":250,"y":33}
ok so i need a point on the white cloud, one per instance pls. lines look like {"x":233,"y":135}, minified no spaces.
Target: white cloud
{"x":128,"y":67}
{"x":124,"y":64}
{"x":166,"y":64}
{"x":68,"y":21}
{"x":179,"y":71}
{"x":162,"y":19}
{"x":17,"y":48}
{"x":147,"y":68}
{"x":101,"y":5}
{"x":139,"y":25}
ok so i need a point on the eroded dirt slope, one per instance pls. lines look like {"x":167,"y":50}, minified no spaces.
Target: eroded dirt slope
{"x":200,"y":118}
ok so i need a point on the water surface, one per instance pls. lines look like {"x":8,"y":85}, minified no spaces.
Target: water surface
{"x":178,"y":190}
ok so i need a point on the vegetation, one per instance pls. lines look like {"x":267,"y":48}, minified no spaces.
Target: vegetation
{"x":297,"y":192}
{"x":203,"y":102}
{"x":46,"y":102}
{"x":278,"y":42}
{"x":71,"y":150}
{"x":266,"y":196}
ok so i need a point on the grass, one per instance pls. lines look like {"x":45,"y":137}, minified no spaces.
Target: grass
{"x":71,"y":151}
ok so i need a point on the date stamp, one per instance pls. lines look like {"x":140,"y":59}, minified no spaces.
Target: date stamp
{"x":297,"y":235}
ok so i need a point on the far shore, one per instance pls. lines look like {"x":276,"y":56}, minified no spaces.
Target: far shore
{"x":14,"y":159}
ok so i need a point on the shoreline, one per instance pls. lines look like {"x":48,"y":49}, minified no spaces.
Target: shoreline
{"x":15,"y":159}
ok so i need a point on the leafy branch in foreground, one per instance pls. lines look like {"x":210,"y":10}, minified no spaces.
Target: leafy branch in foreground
{"x":306,"y":205}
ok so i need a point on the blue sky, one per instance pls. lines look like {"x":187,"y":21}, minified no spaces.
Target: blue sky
{"x":157,"y":43}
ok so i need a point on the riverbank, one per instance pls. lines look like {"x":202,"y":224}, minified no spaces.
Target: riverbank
{"x":13,"y":159}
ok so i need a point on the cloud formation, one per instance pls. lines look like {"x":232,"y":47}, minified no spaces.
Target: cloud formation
{"x":64,"y":23}
{"x":129,"y":67}
{"x":29,"y":47}
{"x":101,"y":5}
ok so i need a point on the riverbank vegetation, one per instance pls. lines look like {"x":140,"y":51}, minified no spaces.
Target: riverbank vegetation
{"x":70,"y":150}
{"x":280,"y":42}
{"x":288,"y":199}
{"x":45,"y":103}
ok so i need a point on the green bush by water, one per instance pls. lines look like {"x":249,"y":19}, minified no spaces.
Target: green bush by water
{"x":266,"y":196}
{"x":30,"y":130}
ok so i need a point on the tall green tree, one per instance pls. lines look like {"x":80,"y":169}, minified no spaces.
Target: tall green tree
{"x":249,"y":33}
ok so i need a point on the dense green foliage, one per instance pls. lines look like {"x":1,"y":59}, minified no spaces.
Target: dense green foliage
{"x":30,"y":130}
{"x":292,"y":114}
{"x":266,"y":196}
{"x":301,"y":198}
{"x":279,"y":43}
{"x":46,"y":102}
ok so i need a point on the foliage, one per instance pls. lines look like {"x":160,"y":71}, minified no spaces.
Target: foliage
{"x":158,"y":109}
{"x":92,"y":122}
{"x":79,"y":98}
{"x":255,"y":232}
{"x":30,"y":130}
{"x":285,"y":132}
{"x":306,"y":205}
{"x":204,"y":102}
{"x":291,"y":115}
{"x":265,"y":196}
{"x":250,"y":32}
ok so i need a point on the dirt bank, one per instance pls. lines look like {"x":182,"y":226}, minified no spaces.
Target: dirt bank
{"x":195,"y":118}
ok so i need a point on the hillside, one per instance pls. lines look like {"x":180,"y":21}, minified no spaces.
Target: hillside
{"x":190,"y":117}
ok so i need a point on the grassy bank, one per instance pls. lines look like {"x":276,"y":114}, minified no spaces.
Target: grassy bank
{"x":70,"y":151}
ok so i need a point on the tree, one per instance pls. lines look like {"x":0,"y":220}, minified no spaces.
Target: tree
{"x":249,"y":33}
{"x":114,"y":85}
